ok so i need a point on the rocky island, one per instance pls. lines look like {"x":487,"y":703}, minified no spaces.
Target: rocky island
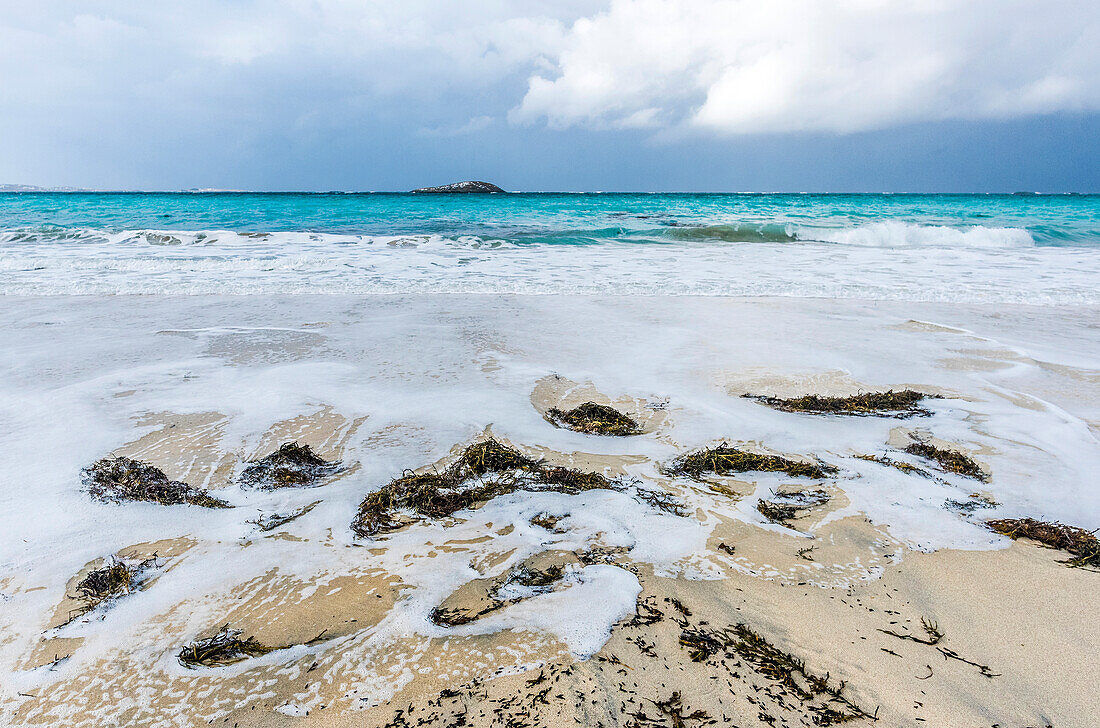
{"x":468,"y":186}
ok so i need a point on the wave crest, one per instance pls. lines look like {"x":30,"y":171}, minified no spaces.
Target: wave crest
{"x":897,"y":234}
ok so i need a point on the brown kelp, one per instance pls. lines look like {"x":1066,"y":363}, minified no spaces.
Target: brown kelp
{"x":1082,"y":545}
{"x":951,"y":461}
{"x":224,"y":648}
{"x":785,"y":507}
{"x":594,"y":419}
{"x":777,"y":512}
{"x":482,"y":471}
{"x":490,"y":456}
{"x":123,"y":479}
{"x":502,"y":593}
{"x":291,"y":466}
{"x":725,"y":460}
{"x":903,"y":403}
{"x":114,"y":579}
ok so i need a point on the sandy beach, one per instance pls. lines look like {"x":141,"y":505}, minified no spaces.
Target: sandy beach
{"x":576,"y":364}
{"x":882,"y":599}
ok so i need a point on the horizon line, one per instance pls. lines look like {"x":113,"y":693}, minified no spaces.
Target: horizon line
{"x":34,"y":190}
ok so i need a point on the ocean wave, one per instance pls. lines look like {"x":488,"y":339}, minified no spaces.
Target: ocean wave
{"x":898,"y":234}
{"x":881,"y":261}
{"x":737,"y":233}
{"x":886,"y":234}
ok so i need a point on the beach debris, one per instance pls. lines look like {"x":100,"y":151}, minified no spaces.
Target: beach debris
{"x":483,"y":471}
{"x":274,"y":520}
{"x":604,"y":555}
{"x":645,"y":613}
{"x":725,"y":460}
{"x":291,"y":466}
{"x":1082,"y":545}
{"x":975,"y":501}
{"x":670,"y":712}
{"x":907,"y":468}
{"x":662,"y":501}
{"x":951,"y":461}
{"x":779,"y":513}
{"x":569,"y":480}
{"x":548,"y":522}
{"x":116,"y":578}
{"x":932,"y":632}
{"x":594,"y":419}
{"x":490,"y":456}
{"x":122,"y":479}
{"x":521,"y":582}
{"x":902,"y":403}
{"x":224,"y":648}
{"x":644,"y":679}
{"x":785,"y":507}
{"x":725,"y":490}
{"x":824,"y":700}
{"x":933,"y":637}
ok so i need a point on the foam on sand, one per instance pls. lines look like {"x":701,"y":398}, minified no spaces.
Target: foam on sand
{"x":387,"y":384}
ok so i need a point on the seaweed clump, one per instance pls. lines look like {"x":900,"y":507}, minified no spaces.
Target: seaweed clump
{"x":662,"y":501}
{"x":520,"y":583}
{"x":482,"y":472}
{"x":724,"y":460}
{"x":123,"y":479}
{"x":292,"y":465}
{"x":785,"y":507}
{"x":952,"y":461}
{"x":975,"y":502}
{"x":594,"y":419}
{"x":903,"y":403}
{"x":110,"y":581}
{"x":1079,"y":543}
{"x":224,"y":648}
{"x":777,"y":512}
{"x":670,"y":710}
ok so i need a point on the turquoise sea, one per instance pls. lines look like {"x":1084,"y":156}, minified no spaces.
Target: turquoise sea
{"x":1027,"y":248}
{"x":551,"y":218}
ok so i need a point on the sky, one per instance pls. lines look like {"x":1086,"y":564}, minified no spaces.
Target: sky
{"x":651,"y":95}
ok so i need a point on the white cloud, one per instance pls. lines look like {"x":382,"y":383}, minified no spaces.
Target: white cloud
{"x":750,"y":66}
{"x":261,"y":74}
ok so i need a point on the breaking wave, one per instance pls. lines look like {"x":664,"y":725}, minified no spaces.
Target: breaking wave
{"x":888,"y":234}
{"x":896,"y":234}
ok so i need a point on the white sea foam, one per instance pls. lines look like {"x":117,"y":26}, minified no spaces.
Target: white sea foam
{"x":886,"y":261}
{"x":898,"y":234}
